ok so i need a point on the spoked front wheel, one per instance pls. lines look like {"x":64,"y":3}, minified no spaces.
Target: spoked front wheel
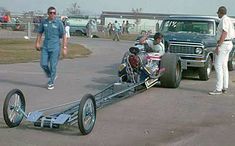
{"x":87,"y":114}
{"x":14,"y":108}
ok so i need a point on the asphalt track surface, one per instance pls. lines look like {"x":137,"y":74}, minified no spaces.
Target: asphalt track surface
{"x":186,"y":116}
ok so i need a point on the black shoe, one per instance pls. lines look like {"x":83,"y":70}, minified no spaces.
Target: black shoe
{"x":224,"y":91}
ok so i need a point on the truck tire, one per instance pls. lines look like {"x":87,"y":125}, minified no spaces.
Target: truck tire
{"x":204,"y":72}
{"x":78,"y":33}
{"x":171,"y":78}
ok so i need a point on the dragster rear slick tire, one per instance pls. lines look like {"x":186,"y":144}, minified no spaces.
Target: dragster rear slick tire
{"x":171,"y":78}
{"x":13,"y":102}
{"x":87,"y":114}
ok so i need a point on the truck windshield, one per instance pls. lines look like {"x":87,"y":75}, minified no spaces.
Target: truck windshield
{"x":202,"y":27}
{"x":74,"y":21}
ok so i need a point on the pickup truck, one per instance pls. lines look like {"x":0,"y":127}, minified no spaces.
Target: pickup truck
{"x":193,"y":38}
{"x":78,"y":25}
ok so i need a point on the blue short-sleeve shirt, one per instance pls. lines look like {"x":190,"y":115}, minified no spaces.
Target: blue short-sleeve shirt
{"x":53,"y":31}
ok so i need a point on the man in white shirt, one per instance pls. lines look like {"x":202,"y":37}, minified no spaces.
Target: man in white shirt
{"x":116,"y":31}
{"x":158,"y":46}
{"x":154,"y":45}
{"x":225,"y":34}
{"x":155,"y":49}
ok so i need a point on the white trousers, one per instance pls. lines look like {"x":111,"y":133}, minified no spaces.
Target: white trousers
{"x":67,"y":33}
{"x":221,"y":65}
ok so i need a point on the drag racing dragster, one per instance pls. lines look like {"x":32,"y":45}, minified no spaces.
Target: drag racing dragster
{"x":138,"y":69}
{"x":141,"y":66}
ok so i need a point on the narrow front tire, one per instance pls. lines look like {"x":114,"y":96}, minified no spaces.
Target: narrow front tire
{"x":13,"y":108}
{"x":87,"y":114}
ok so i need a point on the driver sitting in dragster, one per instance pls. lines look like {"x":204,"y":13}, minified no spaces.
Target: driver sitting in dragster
{"x":155,"y":49}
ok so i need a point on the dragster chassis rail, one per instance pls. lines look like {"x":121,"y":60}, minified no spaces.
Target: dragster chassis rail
{"x":81,"y":112}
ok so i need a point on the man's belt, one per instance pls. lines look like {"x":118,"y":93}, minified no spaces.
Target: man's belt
{"x":228,"y":40}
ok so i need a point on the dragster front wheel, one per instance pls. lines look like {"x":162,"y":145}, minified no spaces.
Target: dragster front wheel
{"x":87,"y":114}
{"x":13,"y":108}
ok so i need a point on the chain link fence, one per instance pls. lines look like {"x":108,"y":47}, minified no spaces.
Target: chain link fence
{"x":18,"y":30}
{"x":29,"y":30}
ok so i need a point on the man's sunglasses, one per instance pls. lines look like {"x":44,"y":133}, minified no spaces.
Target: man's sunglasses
{"x":52,"y":12}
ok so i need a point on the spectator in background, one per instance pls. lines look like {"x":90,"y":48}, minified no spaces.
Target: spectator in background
{"x":6,"y":19}
{"x":65,"y":21}
{"x":110,"y":28}
{"x":116,"y":28}
{"x":17,"y":21}
{"x":123,"y":27}
{"x":127,"y":27}
{"x":91,"y":27}
{"x":88,"y":29}
{"x":157,"y":27}
{"x":36,"y":22}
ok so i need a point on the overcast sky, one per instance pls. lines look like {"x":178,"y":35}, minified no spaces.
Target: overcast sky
{"x":202,"y":7}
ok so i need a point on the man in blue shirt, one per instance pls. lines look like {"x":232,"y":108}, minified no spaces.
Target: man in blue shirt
{"x":53,"y":31}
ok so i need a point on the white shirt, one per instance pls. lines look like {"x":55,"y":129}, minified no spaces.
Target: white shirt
{"x":158,"y":48}
{"x":116,"y":27}
{"x":226,"y":25}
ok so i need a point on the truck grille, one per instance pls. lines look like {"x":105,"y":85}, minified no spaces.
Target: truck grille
{"x":182,"y":49}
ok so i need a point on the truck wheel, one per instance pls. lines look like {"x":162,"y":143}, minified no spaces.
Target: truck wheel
{"x":204,"y":72}
{"x":13,"y":106}
{"x":87,"y":114}
{"x":171,"y":78}
{"x":78,"y":33}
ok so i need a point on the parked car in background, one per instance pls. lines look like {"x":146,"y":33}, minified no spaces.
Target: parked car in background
{"x":193,"y":38}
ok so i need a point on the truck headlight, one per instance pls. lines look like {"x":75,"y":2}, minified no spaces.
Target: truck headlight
{"x":198,"y":50}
